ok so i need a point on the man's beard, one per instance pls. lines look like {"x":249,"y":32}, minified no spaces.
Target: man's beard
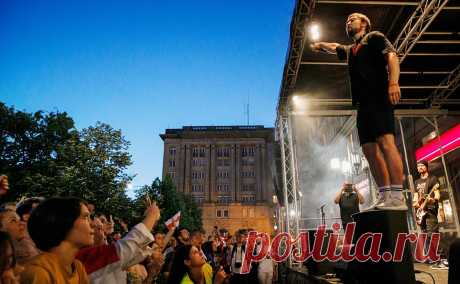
{"x":352,"y":33}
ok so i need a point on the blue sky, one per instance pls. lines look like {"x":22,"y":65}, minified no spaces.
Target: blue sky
{"x":144,"y":66}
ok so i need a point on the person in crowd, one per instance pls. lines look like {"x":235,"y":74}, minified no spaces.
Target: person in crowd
{"x":236,"y":260}
{"x":190,"y":267}
{"x":196,"y":238}
{"x":108,"y":225}
{"x":373,"y":67}
{"x":265,"y":270}
{"x":12,"y":224}
{"x":60,"y":227}
{"x":182,"y":236}
{"x":209,"y":249}
{"x":99,"y":233}
{"x":25,"y":248}
{"x":108,"y":263}
{"x":348,"y":199}
{"x":4,"y":185}
{"x":9,"y":269}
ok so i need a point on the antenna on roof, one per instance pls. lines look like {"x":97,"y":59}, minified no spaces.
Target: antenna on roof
{"x":247,"y":111}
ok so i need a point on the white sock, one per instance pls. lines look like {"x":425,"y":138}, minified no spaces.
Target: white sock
{"x":384,"y":192}
{"x":396,"y":191}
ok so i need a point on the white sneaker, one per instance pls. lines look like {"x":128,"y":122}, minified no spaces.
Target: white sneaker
{"x":393,"y":203}
{"x":380,"y":202}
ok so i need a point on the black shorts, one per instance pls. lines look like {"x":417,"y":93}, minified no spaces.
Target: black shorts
{"x":373,"y":124}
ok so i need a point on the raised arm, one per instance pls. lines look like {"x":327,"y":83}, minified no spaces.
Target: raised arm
{"x":328,"y":47}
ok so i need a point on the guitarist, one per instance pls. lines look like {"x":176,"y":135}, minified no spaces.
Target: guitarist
{"x":426,"y":199}
{"x":427,"y":189}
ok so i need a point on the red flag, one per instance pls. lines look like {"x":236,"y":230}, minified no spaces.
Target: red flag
{"x":173,"y":222}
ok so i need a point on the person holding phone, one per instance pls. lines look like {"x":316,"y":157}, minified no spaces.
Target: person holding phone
{"x":348,"y":199}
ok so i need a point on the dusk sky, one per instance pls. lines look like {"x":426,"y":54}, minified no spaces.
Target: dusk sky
{"x":144,"y":66}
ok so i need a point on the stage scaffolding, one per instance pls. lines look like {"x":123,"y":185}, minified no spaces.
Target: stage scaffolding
{"x":286,"y":131}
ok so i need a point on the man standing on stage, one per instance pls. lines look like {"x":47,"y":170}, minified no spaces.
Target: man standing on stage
{"x":374,"y":73}
{"x":426,"y":202}
{"x":348,"y":199}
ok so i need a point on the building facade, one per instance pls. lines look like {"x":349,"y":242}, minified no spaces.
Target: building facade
{"x":226,"y":170}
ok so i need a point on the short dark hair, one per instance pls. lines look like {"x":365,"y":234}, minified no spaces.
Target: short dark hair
{"x":52,"y":220}
{"x":423,"y":162}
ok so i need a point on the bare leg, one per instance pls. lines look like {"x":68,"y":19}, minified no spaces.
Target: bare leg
{"x":377,"y":163}
{"x":393,"y":160}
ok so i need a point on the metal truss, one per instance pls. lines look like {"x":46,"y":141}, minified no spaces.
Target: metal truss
{"x":289,"y":176}
{"x":302,"y":13}
{"x":440,"y":96}
{"x":417,"y":24}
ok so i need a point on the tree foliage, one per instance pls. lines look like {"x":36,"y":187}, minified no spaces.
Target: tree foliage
{"x":171,"y":201}
{"x":44,"y":154}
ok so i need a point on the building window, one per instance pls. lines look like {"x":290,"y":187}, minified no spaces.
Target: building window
{"x":195,"y":152}
{"x":202,"y":152}
{"x":198,"y":175}
{"x":248,"y":174}
{"x":172,"y":163}
{"x":223,"y":152}
{"x":222,"y":213}
{"x":198,"y":199}
{"x":251,"y":213}
{"x":224,"y":199}
{"x":172,"y":151}
{"x":248,"y":199}
{"x":248,"y":151}
{"x":197,"y":188}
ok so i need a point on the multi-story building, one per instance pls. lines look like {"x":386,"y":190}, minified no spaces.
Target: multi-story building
{"x":226,"y":170}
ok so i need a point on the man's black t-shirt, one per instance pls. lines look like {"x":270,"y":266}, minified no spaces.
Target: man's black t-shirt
{"x":423,"y":186}
{"x":349,"y":204}
{"x":368,"y":70}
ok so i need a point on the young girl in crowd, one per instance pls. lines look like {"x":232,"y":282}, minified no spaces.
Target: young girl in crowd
{"x":60,"y":227}
{"x":190,"y":267}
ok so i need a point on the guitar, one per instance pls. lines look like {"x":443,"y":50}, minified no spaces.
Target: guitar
{"x":421,"y":210}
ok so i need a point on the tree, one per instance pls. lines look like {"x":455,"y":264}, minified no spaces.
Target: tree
{"x":171,"y":201}
{"x":45,"y":155}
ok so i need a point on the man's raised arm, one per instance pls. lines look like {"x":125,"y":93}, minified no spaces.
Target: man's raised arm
{"x":329,"y":47}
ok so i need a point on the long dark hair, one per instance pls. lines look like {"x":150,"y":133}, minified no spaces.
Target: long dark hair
{"x":207,"y":250}
{"x":5,"y":263}
{"x":178,"y":268}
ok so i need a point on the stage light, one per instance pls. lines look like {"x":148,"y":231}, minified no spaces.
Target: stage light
{"x":335,"y":163}
{"x":300,"y":193}
{"x":295,"y":99}
{"x":314,"y":32}
{"x":275,"y":227}
{"x":292,"y":213}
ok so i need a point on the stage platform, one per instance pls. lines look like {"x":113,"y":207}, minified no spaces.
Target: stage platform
{"x":301,"y":276}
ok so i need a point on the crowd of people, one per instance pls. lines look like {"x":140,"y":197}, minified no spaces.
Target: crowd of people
{"x":66,"y":240}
